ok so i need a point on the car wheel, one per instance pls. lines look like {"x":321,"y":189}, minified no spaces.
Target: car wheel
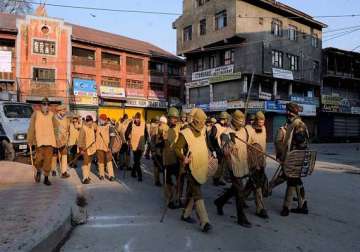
{"x":9,"y":152}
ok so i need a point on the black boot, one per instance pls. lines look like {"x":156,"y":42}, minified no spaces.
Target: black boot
{"x":101,"y":177}
{"x":301,"y":210}
{"x":37,"y":177}
{"x":86,"y":181}
{"x":46,"y":181}
{"x":188,"y":219}
{"x":285,"y":212}
{"x":112,"y":179}
{"x":207,"y":227}
{"x":263,"y":214}
{"x":219,"y":206}
{"x":53,"y":173}
{"x":243,"y":221}
{"x":65,"y":175}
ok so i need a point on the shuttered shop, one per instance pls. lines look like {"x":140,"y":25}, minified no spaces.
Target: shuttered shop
{"x":345,"y":126}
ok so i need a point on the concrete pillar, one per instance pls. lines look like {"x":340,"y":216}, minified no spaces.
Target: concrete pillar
{"x":245,"y":84}
{"x":260,"y":90}
{"x":275,"y":88}
{"x":211,"y":93}
{"x":187,"y":93}
{"x":290,"y":89}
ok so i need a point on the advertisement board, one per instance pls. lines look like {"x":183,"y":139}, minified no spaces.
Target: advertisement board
{"x":112,"y":92}
{"x":85,"y":92}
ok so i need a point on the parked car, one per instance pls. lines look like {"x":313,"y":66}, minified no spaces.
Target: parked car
{"x":14,"y":123}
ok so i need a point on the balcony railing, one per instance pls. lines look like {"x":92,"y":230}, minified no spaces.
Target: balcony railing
{"x":83,"y":61}
{"x":110,"y":66}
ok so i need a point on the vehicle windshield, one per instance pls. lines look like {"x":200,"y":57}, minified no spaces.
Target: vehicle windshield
{"x":17,"y":111}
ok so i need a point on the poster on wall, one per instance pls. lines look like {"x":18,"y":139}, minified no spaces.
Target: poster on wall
{"x":5,"y":61}
{"x":85,"y":92}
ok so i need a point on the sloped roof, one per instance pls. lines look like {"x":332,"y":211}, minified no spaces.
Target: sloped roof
{"x":100,"y":38}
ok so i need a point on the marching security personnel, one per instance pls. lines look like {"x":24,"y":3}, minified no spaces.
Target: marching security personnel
{"x":136,"y":137}
{"x":62,"y":132}
{"x":105,"y":135}
{"x":153,"y":131}
{"x":87,"y":147}
{"x":191,"y":149}
{"x":215,"y":145}
{"x":236,"y":155}
{"x":41,"y":134}
{"x":74,"y":131}
{"x":124,"y":155}
{"x":257,"y":137}
{"x":296,"y":138}
{"x":170,"y":160}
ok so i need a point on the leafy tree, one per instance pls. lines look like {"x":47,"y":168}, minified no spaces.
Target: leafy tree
{"x":15,"y":7}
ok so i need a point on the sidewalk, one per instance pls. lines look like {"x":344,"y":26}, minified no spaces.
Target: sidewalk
{"x":33,"y":216}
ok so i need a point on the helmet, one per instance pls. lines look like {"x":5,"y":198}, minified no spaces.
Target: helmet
{"x":60,"y":108}
{"x":173,"y":112}
{"x":238,"y":119}
{"x":260,"y":116}
{"x":198,"y":119}
{"x":163,"y":119}
{"x":224,"y":115}
{"x":294,"y":108}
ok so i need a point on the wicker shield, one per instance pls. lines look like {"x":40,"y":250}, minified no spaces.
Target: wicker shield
{"x":299,"y":163}
{"x":213,"y":165}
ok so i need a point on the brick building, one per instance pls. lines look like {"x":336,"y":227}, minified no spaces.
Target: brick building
{"x":89,"y":70}
{"x":225,"y":42}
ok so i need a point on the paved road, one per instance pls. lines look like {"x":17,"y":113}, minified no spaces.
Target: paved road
{"x":124,"y":216}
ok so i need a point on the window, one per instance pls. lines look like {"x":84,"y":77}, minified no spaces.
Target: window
{"x":157,"y":87}
{"x":276,"y":28}
{"x":227,"y":57}
{"x":199,"y":64}
{"x":277,"y":59}
{"x":316,"y":65}
{"x":111,"y":61}
{"x":174,"y":70}
{"x":110,"y":81}
{"x":203,"y":27}
{"x":200,"y":2}
{"x":17,"y":111}
{"x":292,"y":32}
{"x":220,"y":20}
{"x":314,"y":40}
{"x":134,"y":65}
{"x":156,"y":67}
{"x":187,"y":33}
{"x":44,"y":47}
{"x":134,"y":84}
{"x":83,"y":56}
{"x":44,"y":75}
{"x":293,"y":62}
{"x":212,"y":61}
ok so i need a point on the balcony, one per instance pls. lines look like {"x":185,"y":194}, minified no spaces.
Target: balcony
{"x":83,"y":61}
{"x":111,"y":66}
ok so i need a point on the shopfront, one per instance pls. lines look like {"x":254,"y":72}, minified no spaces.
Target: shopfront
{"x":112,"y":102}
{"x":85,"y":99}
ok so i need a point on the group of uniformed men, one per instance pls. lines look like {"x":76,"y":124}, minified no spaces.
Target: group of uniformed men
{"x":181,"y":146}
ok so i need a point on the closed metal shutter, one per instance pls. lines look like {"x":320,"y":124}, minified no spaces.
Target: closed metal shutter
{"x":346,"y":126}
{"x":199,"y":95}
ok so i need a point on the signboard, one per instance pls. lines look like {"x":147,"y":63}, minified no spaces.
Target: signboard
{"x":135,"y":92}
{"x":306,"y":100}
{"x":85,"y":92}
{"x":308,"y":110}
{"x":188,"y":107}
{"x":259,"y":105}
{"x":275,"y":106}
{"x":205,"y":107}
{"x":112,"y":92}
{"x":175,"y":102}
{"x":202,"y":83}
{"x":5,"y":61}
{"x":223,"y":70}
{"x":218,"y":106}
{"x":337,"y":104}
{"x":235,"y":105}
{"x":265,"y":96}
{"x":355,"y":110}
{"x":227,"y":77}
{"x":156,"y":94}
{"x":157,"y":104}
{"x":282,"y":74}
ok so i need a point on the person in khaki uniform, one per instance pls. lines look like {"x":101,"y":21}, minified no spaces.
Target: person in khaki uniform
{"x":124,"y":154}
{"x":136,"y":137}
{"x":236,"y":154}
{"x":105,"y":135}
{"x":192,"y":151}
{"x":296,"y":138}
{"x":41,"y":134}
{"x":215,"y":146}
{"x":159,"y":143}
{"x":62,"y":132}
{"x":87,"y":147}
{"x":170,"y":160}
{"x":257,"y":137}
{"x":74,"y":131}
{"x":183,"y":120}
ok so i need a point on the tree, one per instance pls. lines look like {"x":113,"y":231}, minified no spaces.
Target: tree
{"x":15,"y":7}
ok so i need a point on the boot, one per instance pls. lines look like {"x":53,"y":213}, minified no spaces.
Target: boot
{"x":101,"y":177}
{"x":65,"y":175}
{"x":188,"y":219}
{"x":47,"y":181}
{"x":288,"y":196}
{"x":221,"y":201}
{"x":301,"y":210}
{"x":37,"y":177}
{"x":285,"y":212}
{"x":53,"y":173}
{"x":64,"y":164}
{"x":260,"y":209}
{"x":86,"y":181}
{"x":262,"y":214}
{"x":188,"y":209}
{"x":203,"y":216}
{"x":112,"y":179}
{"x":241,"y":217}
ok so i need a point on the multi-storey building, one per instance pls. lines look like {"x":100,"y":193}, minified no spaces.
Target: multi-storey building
{"x":340,"y":96}
{"x":89,"y":70}
{"x":226,"y":42}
